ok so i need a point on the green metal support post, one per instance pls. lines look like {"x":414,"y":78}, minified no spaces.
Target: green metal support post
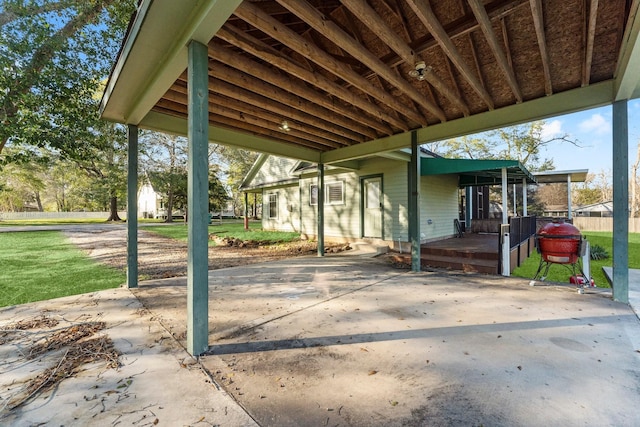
{"x":620,"y":202}
{"x":414,"y":202}
{"x":320,"y":209}
{"x":198,"y":206}
{"x":246,"y":210}
{"x":132,"y":206}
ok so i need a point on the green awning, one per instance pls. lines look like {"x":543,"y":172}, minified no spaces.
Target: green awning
{"x":473,"y":172}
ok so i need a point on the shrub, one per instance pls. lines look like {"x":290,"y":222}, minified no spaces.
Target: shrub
{"x":598,"y":252}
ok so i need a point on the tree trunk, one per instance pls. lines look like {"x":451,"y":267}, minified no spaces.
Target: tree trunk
{"x":169,"y":205}
{"x":39,"y":202}
{"x":113,"y":209}
{"x":634,"y":185}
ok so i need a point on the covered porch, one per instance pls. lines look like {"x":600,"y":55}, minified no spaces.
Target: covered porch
{"x":334,"y":82}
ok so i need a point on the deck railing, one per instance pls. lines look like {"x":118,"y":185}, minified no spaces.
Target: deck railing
{"x":522,"y":231}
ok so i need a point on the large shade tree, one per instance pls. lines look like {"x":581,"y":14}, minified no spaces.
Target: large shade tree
{"x":525,"y":143}
{"x":53,"y":56}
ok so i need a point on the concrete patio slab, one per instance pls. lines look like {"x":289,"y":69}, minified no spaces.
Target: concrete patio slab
{"x":343,"y":340}
{"x":157,"y":382}
{"x":346,"y":340}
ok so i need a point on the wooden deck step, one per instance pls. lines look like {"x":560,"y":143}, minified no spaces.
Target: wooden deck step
{"x":458,"y":253}
{"x":466,"y":264}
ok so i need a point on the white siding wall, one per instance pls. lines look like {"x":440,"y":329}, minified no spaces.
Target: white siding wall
{"x":274,"y":169}
{"x":341,"y":220}
{"x":396,"y":213}
{"x":288,"y":218}
{"x":344,"y":220}
{"x":438,"y":203}
{"x":148,"y":201}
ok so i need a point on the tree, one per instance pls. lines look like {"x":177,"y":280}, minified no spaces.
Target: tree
{"x":521,"y":142}
{"x":53,"y":55}
{"x":633,"y":204}
{"x":235,"y":163}
{"x":164,"y":157}
{"x":21,"y":186}
{"x":103,"y":159}
{"x":217,"y":193}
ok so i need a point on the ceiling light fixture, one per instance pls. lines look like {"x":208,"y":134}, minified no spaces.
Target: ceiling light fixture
{"x":420,"y":71}
{"x":284,"y":126}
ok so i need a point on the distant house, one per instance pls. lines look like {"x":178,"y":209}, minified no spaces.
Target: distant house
{"x":149,"y":201}
{"x":228,"y":212}
{"x":556,"y":211}
{"x":368,"y":198}
{"x":602,"y":209}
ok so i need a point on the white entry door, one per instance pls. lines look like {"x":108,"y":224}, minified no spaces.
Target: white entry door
{"x":372,"y":207}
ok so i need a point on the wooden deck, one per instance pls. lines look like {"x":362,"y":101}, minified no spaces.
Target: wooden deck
{"x":473,"y":253}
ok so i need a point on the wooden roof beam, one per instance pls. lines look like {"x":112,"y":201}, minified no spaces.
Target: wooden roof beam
{"x":259,"y":71}
{"x":253,"y":15}
{"x":261,"y":50}
{"x":487,"y":29}
{"x":170,"y":107}
{"x":424,"y":12}
{"x":591,"y":34}
{"x":325,"y":127}
{"x":538,"y":22}
{"x":371,"y":19}
{"x":338,"y":124}
{"x":333,"y":32}
{"x":329,"y":138}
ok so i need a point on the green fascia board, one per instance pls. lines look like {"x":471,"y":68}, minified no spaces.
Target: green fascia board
{"x":594,"y":95}
{"x":476,"y":171}
{"x":627,"y":83}
{"x":155,"y":53}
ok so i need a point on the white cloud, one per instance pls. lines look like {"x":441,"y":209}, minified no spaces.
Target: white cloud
{"x":552,"y":130}
{"x":595,"y":124}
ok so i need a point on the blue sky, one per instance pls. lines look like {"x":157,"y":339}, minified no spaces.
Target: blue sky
{"x":593,"y":130}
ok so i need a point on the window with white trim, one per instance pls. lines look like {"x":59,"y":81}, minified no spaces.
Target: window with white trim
{"x":272,"y":205}
{"x":333,"y":193}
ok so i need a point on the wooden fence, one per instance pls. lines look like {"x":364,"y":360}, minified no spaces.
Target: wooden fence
{"x":603,"y":224}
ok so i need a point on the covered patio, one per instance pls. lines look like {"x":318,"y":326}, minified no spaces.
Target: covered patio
{"x":331,"y":82}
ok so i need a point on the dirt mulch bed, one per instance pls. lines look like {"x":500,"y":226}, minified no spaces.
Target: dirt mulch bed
{"x":162,"y":257}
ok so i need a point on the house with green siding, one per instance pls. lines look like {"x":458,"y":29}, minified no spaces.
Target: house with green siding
{"x":368,"y":199}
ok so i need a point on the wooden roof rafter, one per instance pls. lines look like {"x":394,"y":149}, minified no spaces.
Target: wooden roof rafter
{"x":362,"y":122}
{"x":369,"y":17}
{"x":232,"y":120}
{"x":425,"y":14}
{"x":253,"y":15}
{"x":538,"y":22}
{"x":224,"y":105}
{"x":322,"y":125}
{"x":590,"y":36}
{"x":275,"y":58}
{"x":487,"y":29}
{"x":334,"y":33}
{"x":340,"y":124}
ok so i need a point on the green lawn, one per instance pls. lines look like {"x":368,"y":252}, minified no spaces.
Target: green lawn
{"x":232,"y":229}
{"x":41,"y":265}
{"x":559,"y":273}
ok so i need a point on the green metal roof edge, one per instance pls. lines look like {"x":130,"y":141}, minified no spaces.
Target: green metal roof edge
{"x":442,"y":166}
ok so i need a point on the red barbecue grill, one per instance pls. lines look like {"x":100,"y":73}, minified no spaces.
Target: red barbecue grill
{"x":561,"y":243}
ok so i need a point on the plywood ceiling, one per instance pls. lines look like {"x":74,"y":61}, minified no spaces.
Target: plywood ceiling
{"x":340,"y":73}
